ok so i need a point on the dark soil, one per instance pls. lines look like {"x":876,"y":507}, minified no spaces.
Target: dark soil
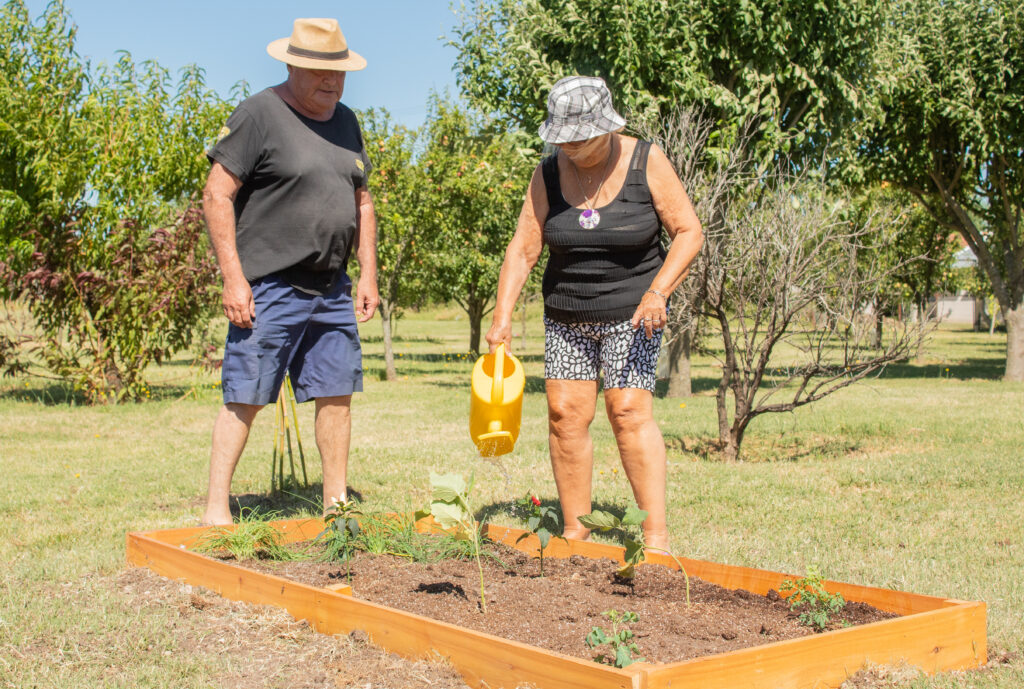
{"x":557,"y":611}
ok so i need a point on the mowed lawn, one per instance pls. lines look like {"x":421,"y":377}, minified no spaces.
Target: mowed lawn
{"x":913,"y":481}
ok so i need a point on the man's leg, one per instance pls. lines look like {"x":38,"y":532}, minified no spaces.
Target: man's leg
{"x":333,"y":434}
{"x":230,"y":431}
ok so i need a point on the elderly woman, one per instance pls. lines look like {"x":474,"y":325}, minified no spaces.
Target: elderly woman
{"x":599,"y":204}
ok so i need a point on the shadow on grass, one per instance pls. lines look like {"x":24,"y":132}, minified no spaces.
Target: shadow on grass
{"x":763,"y":449}
{"x":61,"y":394}
{"x":451,"y":358}
{"x":961,"y":369}
{"x":293,"y":501}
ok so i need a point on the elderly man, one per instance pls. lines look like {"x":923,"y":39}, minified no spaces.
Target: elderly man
{"x":286,"y":202}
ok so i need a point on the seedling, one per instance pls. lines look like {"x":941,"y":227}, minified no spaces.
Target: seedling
{"x":600,"y":520}
{"x":808,"y":595}
{"x":543,"y":520}
{"x":342,"y":531}
{"x":449,"y":505}
{"x":620,"y":640}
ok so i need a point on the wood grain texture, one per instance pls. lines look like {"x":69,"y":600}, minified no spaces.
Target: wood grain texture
{"x":482,"y":659}
{"x":935,"y":634}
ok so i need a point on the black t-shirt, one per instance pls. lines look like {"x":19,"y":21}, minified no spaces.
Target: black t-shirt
{"x":295,"y":212}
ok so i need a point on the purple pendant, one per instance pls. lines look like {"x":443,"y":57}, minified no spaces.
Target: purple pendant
{"x":589,"y":219}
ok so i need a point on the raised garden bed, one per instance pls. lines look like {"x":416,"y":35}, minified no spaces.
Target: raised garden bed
{"x":933,"y":633}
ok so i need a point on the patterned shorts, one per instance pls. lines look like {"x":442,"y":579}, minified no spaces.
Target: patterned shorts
{"x":627,"y":358}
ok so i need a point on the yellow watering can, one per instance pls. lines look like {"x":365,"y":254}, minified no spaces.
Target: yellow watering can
{"x":496,"y":402}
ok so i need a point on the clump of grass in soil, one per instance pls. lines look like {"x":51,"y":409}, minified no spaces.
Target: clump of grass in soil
{"x":253,"y":537}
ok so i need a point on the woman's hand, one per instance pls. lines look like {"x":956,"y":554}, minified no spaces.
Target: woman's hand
{"x":500,"y":333}
{"x":652,"y":314}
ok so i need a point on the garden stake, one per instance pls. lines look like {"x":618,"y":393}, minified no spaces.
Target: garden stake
{"x":298,"y":436}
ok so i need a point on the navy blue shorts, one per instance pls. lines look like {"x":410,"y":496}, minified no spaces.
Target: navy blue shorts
{"x":313,"y":338}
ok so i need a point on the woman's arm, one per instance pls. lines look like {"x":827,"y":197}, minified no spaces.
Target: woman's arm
{"x":520,"y":258}
{"x":684,"y":230}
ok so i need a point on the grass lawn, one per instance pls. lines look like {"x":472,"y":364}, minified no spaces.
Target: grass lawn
{"x":913,"y":481}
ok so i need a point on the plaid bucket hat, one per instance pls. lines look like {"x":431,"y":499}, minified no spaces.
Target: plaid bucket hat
{"x":579,"y":108}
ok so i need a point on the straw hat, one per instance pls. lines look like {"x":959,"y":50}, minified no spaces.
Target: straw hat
{"x":316,"y":44}
{"x":579,"y":108}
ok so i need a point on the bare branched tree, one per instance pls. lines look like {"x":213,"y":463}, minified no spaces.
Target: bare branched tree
{"x":713,"y":173}
{"x":784,"y":277}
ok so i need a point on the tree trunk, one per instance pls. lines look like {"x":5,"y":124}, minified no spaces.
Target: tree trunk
{"x":386,"y":310}
{"x":879,"y":322}
{"x":679,"y":371}
{"x":1014,"y":319}
{"x":475,"y":311}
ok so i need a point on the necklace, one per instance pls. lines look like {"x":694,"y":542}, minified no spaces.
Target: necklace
{"x":590,"y":218}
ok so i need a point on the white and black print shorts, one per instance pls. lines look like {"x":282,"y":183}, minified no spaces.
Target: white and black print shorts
{"x":625,"y":356}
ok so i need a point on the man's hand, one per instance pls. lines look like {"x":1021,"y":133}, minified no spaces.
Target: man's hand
{"x":238,"y":304}
{"x":367,"y":299}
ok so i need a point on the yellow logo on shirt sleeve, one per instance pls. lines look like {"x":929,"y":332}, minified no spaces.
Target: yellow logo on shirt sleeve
{"x":224,"y":131}
{"x":359,"y":164}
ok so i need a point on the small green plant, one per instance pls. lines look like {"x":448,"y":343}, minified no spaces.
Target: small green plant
{"x":633,"y":542}
{"x":808,"y":595}
{"x":449,"y":504}
{"x":620,"y":639}
{"x":599,"y":520}
{"x":396,"y":534}
{"x":341,"y":533}
{"x":542,"y":521}
{"x":251,"y":538}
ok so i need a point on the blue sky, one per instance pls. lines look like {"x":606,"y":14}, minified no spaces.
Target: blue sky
{"x":400,"y":40}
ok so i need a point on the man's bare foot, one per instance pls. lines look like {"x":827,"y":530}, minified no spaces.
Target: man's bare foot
{"x":216,"y":519}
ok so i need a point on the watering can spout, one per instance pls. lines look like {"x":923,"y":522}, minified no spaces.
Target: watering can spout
{"x":496,"y":402}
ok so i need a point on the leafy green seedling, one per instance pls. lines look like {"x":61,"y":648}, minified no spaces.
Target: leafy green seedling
{"x":542,"y":521}
{"x":620,"y":640}
{"x":342,"y":531}
{"x":449,"y":504}
{"x":600,"y":520}
{"x":808,"y":595}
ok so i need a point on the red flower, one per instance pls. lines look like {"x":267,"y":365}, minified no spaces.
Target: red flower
{"x":535,"y":500}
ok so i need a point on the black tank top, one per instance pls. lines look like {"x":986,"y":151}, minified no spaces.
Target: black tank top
{"x":600,"y":275}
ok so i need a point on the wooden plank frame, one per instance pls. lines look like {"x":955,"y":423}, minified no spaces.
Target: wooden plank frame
{"x":934,"y":633}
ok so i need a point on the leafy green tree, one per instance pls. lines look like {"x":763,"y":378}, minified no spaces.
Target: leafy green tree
{"x":797,"y":68}
{"x":912,"y":256}
{"x":398,"y":188}
{"x":476,"y":177}
{"x":953,"y":134}
{"x":98,"y":233}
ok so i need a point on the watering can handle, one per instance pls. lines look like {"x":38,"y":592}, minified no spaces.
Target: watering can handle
{"x":498,"y":388}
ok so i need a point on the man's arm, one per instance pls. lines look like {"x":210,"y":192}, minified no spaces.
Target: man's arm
{"x":219,"y":209}
{"x":367,"y":296}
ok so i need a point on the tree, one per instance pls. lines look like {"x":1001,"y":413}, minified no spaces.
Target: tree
{"x":796,"y":72}
{"x":98,"y":232}
{"x":953,"y":134}
{"x":915,"y":254}
{"x":476,"y":177}
{"x":397,"y":185}
{"x":784,"y":279}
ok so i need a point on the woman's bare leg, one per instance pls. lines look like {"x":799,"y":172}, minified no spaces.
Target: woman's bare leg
{"x":642,"y":449}
{"x":570,"y":410}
